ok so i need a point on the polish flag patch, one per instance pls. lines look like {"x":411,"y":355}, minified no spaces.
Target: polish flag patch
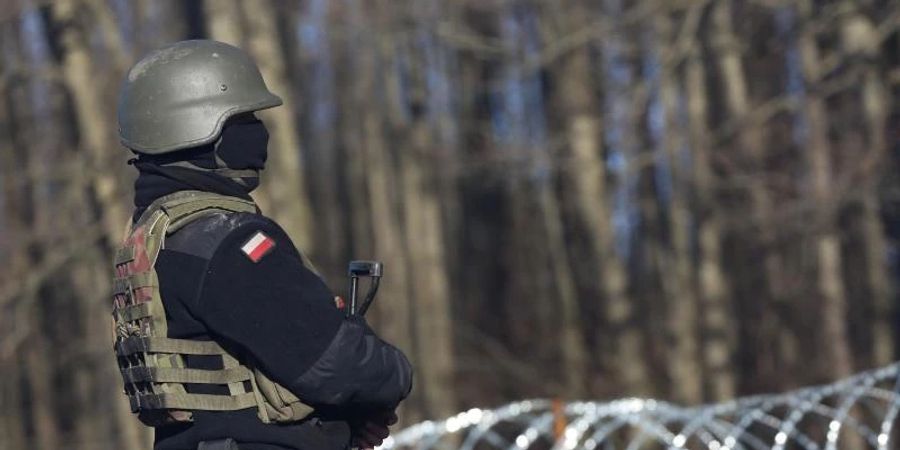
{"x":258,"y":246}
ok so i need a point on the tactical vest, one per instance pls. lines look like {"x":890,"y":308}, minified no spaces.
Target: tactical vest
{"x":153,"y":365}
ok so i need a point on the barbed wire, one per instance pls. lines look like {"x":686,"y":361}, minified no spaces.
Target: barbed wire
{"x":858,"y":412}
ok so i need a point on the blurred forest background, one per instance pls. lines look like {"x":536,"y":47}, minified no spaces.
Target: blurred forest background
{"x":684,"y":199}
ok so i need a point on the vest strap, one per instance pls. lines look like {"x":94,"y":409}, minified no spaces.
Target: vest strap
{"x":131,"y":313}
{"x":124,"y":255}
{"x":185,"y":208}
{"x":185,"y":203}
{"x":138,"y":280}
{"x":136,"y":344}
{"x":180,"y":375}
{"x":205,"y":402}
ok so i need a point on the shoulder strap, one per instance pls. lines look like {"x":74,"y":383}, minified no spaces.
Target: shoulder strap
{"x":185,"y":206}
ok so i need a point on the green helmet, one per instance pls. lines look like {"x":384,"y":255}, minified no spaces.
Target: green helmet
{"x":180,"y":96}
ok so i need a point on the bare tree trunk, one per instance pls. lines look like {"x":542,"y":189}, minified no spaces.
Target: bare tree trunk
{"x":582,"y":128}
{"x":38,"y":372}
{"x":224,"y":23}
{"x":861,"y":41}
{"x":647,"y":239}
{"x":884,"y":311}
{"x":16,"y":213}
{"x":717,"y":319}
{"x":429,"y":286}
{"x":251,"y":24}
{"x":835,"y":349}
{"x":572,"y":346}
{"x":93,"y":127}
{"x":394,"y":315}
{"x":112,"y":37}
{"x":285,"y":180}
{"x":682,"y":312}
{"x":96,"y":135}
{"x":336,"y":187}
{"x":575,"y":101}
{"x":12,"y":424}
{"x":751,"y":142}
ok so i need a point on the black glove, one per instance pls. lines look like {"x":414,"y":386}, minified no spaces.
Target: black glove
{"x":371,"y":429}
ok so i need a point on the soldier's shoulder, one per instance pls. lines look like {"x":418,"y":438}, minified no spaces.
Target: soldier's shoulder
{"x":202,"y":236}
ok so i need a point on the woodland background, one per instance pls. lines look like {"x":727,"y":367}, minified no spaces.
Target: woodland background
{"x":684,"y":199}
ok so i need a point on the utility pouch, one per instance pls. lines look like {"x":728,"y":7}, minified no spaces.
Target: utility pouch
{"x":276,"y":403}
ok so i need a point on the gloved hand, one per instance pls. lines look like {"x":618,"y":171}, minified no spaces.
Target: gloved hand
{"x":372,"y":429}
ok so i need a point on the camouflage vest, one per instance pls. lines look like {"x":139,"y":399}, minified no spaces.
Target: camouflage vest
{"x":153,"y":365}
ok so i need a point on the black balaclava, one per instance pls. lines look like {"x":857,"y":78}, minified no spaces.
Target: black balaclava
{"x":229,"y":166}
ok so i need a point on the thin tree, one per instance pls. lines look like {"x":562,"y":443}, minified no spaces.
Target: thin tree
{"x":861,"y":41}
{"x":252,"y":24}
{"x":717,"y":318}
{"x":95,"y":130}
{"x":424,"y":242}
{"x":626,"y":345}
{"x":758,"y":239}
{"x":376,"y":164}
{"x":684,"y":364}
{"x":575,"y":102}
{"x":834,"y":346}
{"x":14,"y":214}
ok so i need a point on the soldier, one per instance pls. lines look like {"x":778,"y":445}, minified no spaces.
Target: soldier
{"x":225,"y":336}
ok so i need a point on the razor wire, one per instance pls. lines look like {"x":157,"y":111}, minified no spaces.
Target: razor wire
{"x":859,"y":412}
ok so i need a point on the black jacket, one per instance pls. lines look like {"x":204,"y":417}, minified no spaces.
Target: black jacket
{"x":279,"y":315}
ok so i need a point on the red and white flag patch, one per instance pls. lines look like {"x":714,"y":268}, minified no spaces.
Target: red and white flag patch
{"x":258,"y":246}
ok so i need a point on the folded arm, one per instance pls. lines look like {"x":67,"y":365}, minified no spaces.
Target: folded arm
{"x":279,"y":313}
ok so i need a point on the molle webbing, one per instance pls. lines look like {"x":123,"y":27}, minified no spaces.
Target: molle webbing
{"x":133,"y":313}
{"x":182,"y":401}
{"x":153,"y":365}
{"x":124,"y":255}
{"x":179,"y":375}
{"x":132,"y":345}
{"x":138,"y":280}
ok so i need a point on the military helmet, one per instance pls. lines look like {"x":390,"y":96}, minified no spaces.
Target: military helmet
{"x":180,"y":96}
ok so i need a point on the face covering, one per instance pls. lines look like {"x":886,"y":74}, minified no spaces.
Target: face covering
{"x":230,"y":166}
{"x":241,"y":151}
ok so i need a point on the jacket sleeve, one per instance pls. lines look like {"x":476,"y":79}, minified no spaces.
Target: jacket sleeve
{"x":281,"y":315}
